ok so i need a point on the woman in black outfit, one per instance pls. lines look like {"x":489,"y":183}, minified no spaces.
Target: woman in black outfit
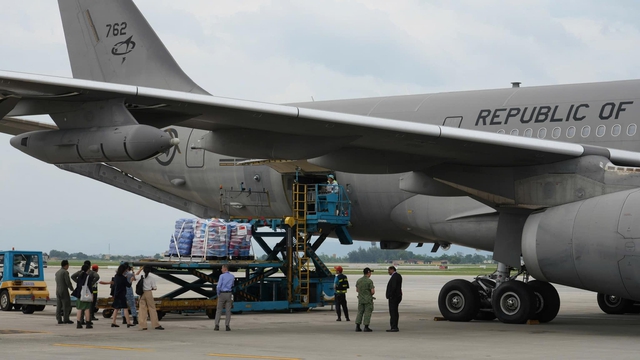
{"x":120,"y":285}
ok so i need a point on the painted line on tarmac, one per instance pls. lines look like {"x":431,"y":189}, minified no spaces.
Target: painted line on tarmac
{"x":10,"y":332}
{"x":253,"y":357}
{"x":104,"y":347}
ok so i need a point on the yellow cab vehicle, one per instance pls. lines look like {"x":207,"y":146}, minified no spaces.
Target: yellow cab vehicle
{"x":22,"y":284}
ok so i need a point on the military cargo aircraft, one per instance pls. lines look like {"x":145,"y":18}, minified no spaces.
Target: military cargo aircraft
{"x":545,"y":177}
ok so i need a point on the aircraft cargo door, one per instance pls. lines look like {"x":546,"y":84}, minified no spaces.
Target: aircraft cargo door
{"x":195,"y":154}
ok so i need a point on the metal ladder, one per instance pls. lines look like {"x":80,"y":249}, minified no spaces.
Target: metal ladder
{"x":300,"y":216}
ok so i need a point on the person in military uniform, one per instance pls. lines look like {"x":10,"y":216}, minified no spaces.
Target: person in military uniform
{"x":63,"y":299}
{"x":341,"y":284}
{"x":365,"y":290}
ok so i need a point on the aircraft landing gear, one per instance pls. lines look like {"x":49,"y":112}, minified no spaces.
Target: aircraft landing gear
{"x":615,"y":305}
{"x":499,"y":295}
{"x":459,"y":300}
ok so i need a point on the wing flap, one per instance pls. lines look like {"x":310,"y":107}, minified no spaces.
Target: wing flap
{"x":13,"y":126}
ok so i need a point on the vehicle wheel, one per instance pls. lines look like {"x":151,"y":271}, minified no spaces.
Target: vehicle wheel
{"x":40,"y":307}
{"x":211,"y":313}
{"x":5,"y":301}
{"x":107,"y":313}
{"x":161,"y":314}
{"x":458,"y":300}
{"x":513,"y":302}
{"x":547,"y":301}
{"x":28,"y":309}
{"x":610,"y":304}
{"x":485,"y":315}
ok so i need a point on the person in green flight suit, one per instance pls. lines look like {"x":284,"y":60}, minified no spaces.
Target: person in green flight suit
{"x":365,"y":290}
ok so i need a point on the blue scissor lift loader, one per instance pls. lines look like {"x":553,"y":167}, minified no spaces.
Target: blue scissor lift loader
{"x":285,"y":280}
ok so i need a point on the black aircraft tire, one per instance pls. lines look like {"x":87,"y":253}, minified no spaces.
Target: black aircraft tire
{"x":5,"y":301}
{"x":547,"y":301}
{"x":28,"y":309}
{"x":614,"y":305}
{"x":40,"y":307}
{"x":514,"y":302}
{"x":459,"y":301}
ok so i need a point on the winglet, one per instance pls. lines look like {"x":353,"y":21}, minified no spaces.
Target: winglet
{"x":111,"y":41}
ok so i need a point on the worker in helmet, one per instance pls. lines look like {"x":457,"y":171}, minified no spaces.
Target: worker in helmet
{"x":341,"y":284}
{"x":332,"y":186}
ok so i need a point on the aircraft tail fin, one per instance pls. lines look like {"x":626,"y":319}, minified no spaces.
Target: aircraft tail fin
{"x":111,"y":41}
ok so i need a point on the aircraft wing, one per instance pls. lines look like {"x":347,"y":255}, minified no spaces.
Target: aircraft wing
{"x":419,"y":143}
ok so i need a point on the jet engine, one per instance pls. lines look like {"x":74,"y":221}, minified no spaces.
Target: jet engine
{"x":592,"y":244}
{"x":109,"y":144}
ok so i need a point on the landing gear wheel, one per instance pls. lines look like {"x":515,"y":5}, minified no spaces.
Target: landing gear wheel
{"x":514,"y":302}
{"x":5,"y":301}
{"x":547,"y":301}
{"x":40,"y":307}
{"x":160,"y":314}
{"x":458,"y":300}
{"x":610,"y":304}
{"x":107,"y":313}
{"x":28,"y":309}
{"x":211,"y":313}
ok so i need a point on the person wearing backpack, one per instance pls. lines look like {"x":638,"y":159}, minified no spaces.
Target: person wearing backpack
{"x":341,"y":284}
{"x":144,"y":289}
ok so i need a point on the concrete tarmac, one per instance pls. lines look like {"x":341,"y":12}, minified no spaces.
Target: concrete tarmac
{"x":581,"y":331}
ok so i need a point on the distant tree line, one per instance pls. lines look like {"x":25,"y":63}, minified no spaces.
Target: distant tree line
{"x":377,"y":255}
{"x":63,"y":255}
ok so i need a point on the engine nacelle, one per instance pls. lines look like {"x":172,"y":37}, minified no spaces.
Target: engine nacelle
{"x":592,"y":244}
{"x":112,"y":144}
{"x":393,"y":245}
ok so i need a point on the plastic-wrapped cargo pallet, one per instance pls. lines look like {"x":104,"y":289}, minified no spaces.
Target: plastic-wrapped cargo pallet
{"x":182,"y":239}
{"x":239,"y":241}
{"x":217,"y":239}
{"x":200,"y":238}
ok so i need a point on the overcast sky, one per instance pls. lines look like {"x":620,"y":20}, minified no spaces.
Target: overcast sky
{"x":288,"y":51}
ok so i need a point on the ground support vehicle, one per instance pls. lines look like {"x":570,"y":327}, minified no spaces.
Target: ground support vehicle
{"x":291,"y":278}
{"x":22,"y":281}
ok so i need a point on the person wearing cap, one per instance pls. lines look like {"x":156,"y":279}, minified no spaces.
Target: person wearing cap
{"x":94,"y":308}
{"x":365,"y":290}
{"x":341,"y":284}
{"x":332,"y":186}
{"x":394,"y":294}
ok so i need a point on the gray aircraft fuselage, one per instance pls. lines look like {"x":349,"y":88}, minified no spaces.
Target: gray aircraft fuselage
{"x":600,"y":114}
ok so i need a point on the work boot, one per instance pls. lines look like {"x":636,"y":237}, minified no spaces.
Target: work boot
{"x":367,"y":329}
{"x":89,"y":325}
{"x":135,"y":320}
{"x":358,"y":328}
{"x":79,"y":326}
{"x":124,"y":320}
{"x":228,"y":328}
{"x":338,"y":319}
{"x":217,"y":328}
